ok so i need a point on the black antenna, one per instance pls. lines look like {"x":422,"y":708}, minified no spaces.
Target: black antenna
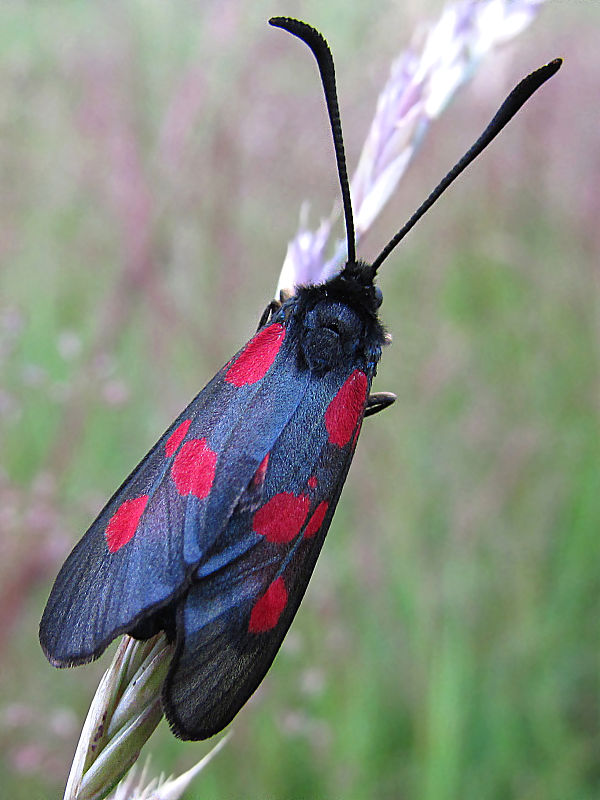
{"x":517,"y":98}
{"x":322,"y":53}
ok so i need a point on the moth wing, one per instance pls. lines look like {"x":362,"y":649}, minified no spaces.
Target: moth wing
{"x":139,"y":554}
{"x":246,"y":591}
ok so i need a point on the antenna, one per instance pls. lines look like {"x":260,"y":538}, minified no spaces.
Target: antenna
{"x":515,"y":100}
{"x":322,"y":53}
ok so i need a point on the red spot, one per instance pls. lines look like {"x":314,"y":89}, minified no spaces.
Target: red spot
{"x":256,"y":358}
{"x":281,"y":518}
{"x":346,"y":408}
{"x":123,"y":523}
{"x":193,"y":469}
{"x":177,"y":437}
{"x":315,"y":522}
{"x":312,"y":482}
{"x":267,"y":609}
{"x":259,"y":475}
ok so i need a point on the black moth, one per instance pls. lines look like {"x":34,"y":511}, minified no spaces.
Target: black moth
{"x":215,"y":534}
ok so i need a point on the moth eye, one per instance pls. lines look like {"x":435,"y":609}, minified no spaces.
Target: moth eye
{"x":378,"y":297}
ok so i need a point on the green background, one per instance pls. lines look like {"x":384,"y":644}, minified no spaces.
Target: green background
{"x":154,"y":157}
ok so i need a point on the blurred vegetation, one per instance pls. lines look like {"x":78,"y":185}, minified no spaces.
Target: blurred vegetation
{"x":154,"y":157}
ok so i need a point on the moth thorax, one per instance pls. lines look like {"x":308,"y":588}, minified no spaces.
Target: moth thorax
{"x":331,"y":336}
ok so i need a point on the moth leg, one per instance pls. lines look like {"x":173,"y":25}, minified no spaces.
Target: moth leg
{"x":378,"y":401}
{"x":274,"y":305}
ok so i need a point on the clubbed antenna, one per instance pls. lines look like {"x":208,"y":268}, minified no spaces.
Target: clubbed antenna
{"x":322,"y":53}
{"x":515,"y":100}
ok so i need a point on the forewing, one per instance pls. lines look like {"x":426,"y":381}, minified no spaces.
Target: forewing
{"x":139,"y":554}
{"x":248,"y":587}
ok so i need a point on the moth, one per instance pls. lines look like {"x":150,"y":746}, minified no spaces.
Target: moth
{"x":214,"y":536}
